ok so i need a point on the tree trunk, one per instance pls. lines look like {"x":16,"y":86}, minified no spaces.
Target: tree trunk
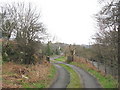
{"x":105,"y":67}
{"x":119,"y":44}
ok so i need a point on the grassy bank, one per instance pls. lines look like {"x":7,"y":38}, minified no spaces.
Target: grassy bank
{"x":27,"y":76}
{"x":105,"y":81}
{"x":74,"y":78}
{"x":62,"y":59}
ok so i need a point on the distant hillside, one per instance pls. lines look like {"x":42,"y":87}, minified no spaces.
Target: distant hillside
{"x":86,"y":46}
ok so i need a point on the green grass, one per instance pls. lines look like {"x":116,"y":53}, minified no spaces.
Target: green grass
{"x":106,"y":81}
{"x":35,"y":85}
{"x":74,"y":78}
{"x":52,"y":72}
{"x":39,"y":85}
{"x":26,"y":85}
{"x":54,"y":55}
{"x":62,"y":59}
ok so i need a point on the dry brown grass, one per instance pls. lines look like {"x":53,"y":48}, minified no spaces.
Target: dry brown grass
{"x":15,"y":74}
{"x":87,"y":63}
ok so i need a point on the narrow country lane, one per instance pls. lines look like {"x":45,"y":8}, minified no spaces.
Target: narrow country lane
{"x":63,"y":78}
{"x":87,"y":80}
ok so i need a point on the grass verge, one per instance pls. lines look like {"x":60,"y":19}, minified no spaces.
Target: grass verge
{"x":27,"y":76}
{"x":106,"y":81}
{"x":74,"y":78}
{"x":62,"y":59}
{"x":43,"y":83}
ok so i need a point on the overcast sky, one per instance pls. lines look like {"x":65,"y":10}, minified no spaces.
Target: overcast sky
{"x":70,"y":21}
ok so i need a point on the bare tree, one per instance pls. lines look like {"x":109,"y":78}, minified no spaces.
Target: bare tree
{"x":107,"y":37}
{"x":24,"y":23}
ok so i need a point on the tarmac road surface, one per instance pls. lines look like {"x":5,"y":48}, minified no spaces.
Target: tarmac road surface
{"x":88,"y":80}
{"x":63,"y":79}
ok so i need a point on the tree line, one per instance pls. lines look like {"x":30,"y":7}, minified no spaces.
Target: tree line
{"x":106,"y":39}
{"x":23,"y":34}
{"x":104,"y":49}
{"x":23,"y":37}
